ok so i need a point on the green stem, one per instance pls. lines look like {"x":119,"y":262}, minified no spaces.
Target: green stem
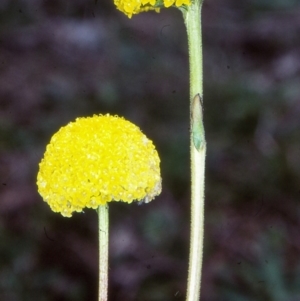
{"x":192,"y":19}
{"x":103,"y":252}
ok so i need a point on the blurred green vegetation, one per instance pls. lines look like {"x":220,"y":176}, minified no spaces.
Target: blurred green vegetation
{"x":63,"y":59}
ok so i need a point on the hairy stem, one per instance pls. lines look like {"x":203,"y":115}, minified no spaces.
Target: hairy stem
{"x":192,"y":19}
{"x":103,"y":252}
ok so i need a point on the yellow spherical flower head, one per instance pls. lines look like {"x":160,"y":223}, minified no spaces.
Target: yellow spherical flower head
{"x":132,"y":7}
{"x":96,"y":160}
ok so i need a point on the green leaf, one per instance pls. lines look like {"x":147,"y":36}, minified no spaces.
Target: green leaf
{"x":197,"y":123}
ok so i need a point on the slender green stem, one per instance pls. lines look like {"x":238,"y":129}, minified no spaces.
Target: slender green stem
{"x":103,"y":252}
{"x":192,"y":18}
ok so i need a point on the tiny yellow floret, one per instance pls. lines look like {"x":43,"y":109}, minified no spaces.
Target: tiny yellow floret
{"x":96,"y":160}
{"x":132,"y":7}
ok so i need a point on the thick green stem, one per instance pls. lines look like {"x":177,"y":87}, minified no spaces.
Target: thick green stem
{"x":103,"y":252}
{"x":192,"y":18}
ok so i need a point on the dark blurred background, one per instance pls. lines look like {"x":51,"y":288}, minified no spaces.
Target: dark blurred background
{"x":63,"y":59}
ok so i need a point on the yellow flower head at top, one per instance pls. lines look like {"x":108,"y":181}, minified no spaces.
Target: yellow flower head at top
{"x":131,"y":7}
{"x":96,"y":160}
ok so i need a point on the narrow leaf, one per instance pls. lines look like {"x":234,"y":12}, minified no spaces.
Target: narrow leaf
{"x":197,"y":122}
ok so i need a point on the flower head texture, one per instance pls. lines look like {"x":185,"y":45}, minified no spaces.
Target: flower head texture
{"x":95,"y":160}
{"x":132,"y":7}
